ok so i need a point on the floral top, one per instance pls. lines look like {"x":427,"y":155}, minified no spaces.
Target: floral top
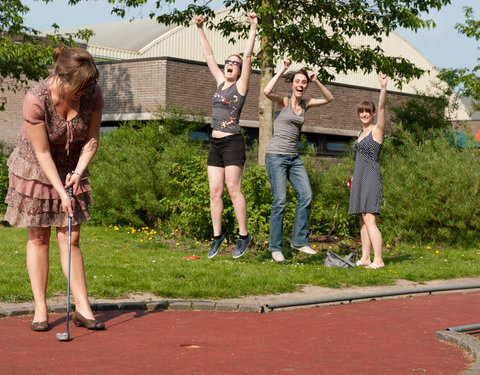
{"x":65,"y":137}
{"x":32,"y":201}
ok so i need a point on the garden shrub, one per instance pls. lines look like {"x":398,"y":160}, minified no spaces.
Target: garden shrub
{"x":431,"y":191}
{"x":153,"y":174}
{"x":422,"y":115}
{"x":329,"y":213}
{"x":188,"y":198}
{"x":130,"y":170}
{"x":4,"y":152}
{"x":126,"y":176}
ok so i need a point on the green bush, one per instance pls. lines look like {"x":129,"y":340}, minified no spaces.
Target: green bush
{"x":431,"y":191}
{"x":130,"y":172}
{"x":152,"y":175}
{"x":257,"y":192}
{"x":4,"y":152}
{"x":188,"y":198}
{"x":329,"y":213}
{"x":423,"y":116}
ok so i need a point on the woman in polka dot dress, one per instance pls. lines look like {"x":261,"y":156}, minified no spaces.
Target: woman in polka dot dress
{"x":366,"y":188}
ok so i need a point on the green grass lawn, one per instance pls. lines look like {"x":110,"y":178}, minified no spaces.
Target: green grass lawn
{"x":119,"y":261}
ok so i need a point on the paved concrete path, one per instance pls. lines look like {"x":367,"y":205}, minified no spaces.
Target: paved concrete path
{"x":390,"y":336}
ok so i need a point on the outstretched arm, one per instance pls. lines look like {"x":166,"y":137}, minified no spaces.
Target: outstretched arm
{"x":244,"y":80}
{"x":268,"y":90}
{"x":327,"y":95}
{"x":208,"y":51}
{"x":379,"y":130}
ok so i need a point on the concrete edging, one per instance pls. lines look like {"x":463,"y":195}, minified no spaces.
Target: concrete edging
{"x":174,"y":305}
{"x":470,"y":344}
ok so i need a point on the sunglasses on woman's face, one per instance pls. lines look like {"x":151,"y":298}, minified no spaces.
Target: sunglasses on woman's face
{"x":233,"y":62}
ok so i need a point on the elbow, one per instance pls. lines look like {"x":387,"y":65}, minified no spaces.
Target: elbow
{"x":329,"y":98}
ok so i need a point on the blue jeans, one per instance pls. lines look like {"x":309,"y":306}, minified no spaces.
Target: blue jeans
{"x":280,"y":168}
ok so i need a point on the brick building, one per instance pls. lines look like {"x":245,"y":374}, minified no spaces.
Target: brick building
{"x":134,"y":89}
{"x":150,"y":65}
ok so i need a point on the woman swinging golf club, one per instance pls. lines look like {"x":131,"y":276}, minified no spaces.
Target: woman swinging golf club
{"x":59,"y":138}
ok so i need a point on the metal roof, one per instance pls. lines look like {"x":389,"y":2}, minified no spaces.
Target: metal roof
{"x":130,"y":35}
{"x":145,"y":38}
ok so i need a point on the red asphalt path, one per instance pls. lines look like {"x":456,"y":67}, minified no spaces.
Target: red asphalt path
{"x":394,"y":336}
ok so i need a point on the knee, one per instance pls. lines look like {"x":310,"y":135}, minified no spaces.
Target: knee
{"x":39,"y":241}
{"x":305,"y":199}
{"x":234,"y":191}
{"x":369,"y":220}
{"x":39,"y":237}
{"x":75,"y":242}
{"x":279,"y":201}
{"x":216,"y":193}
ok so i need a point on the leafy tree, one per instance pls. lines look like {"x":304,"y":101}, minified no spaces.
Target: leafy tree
{"x":423,"y":116}
{"x":314,"y":33}
{"x":467,"y":81}
{"x":24,"y":53}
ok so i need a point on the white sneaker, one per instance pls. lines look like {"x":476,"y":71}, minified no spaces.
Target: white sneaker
{"x":304,"y":249}
{"x":278,"y":256}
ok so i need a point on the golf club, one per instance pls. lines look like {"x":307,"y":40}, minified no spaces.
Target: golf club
{"x":66,"y":335}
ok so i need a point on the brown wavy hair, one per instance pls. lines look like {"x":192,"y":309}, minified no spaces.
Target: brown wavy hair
{"x":290,"y":75}
{"x":367,"y":106}
{"x":76,"y":67}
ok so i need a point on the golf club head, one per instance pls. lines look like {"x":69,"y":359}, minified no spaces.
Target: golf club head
{"x":63,"y":336}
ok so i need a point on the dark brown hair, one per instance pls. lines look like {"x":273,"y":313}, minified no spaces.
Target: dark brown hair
{"x":367,"y":106}
{"x":291,"y":75}
{"x":76,"y":67}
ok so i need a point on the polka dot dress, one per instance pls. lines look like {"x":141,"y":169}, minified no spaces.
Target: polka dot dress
{"x":366,"y":193}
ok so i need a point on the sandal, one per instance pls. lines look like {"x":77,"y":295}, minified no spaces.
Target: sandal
{"x":373,"y":266}
{"x":360,"y":264}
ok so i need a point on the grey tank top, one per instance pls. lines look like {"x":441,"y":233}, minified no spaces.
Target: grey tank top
{"x":286,"y":129}
{"x":227,"y":107}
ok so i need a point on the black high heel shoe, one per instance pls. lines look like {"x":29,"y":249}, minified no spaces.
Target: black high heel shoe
{"x":80,"y":321}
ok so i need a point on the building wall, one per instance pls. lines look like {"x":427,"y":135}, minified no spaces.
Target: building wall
{"x":11,"y":119}
{"x":133,"y":89}
{"x":190,"y":85}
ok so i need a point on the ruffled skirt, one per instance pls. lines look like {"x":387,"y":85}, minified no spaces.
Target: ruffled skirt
{"x":33,"y":202}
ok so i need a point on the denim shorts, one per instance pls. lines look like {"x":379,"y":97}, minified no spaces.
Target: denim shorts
{"x":229,"y":150}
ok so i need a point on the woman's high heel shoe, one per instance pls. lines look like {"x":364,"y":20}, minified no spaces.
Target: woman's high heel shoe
{"x":40,"y":326}
{"x":81,"y":321}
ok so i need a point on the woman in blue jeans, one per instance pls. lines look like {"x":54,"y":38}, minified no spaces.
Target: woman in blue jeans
{"x":283,"y":161}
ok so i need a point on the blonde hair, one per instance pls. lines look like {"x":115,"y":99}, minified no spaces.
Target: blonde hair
{"x":76,"y":67}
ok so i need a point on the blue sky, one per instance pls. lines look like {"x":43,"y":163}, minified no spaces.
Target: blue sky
{"x":443,"y":45}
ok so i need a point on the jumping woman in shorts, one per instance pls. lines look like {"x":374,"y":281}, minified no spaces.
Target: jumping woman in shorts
{"x":366,"y":189}
{"x":283,"y":161}
{"x":226,"y":157}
